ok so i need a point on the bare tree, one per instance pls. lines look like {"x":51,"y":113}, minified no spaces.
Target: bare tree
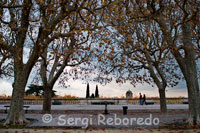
{"x":137,"y":52}
{"x":30,"y":25}
{"x":179,"y":20}
{"x":71,"y":49}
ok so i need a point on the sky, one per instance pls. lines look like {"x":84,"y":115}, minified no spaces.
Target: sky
{"x":78,"y":88}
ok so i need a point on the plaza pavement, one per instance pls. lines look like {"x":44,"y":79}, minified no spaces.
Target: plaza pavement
{"x":100,"y":121}
{"x":37,"y":119}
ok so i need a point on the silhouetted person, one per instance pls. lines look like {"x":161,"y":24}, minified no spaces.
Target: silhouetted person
{"x":144,"y":100}
{"x":140,"y":99}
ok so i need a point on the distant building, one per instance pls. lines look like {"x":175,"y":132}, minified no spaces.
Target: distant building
{"x":129,"y":94}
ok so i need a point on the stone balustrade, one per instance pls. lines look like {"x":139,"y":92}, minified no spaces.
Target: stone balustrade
{"x":91,"y":101}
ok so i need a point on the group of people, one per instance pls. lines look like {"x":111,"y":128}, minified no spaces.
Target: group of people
{"x":142,"y":100}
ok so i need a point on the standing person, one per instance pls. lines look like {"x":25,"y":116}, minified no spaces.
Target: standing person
{"x":144,"y":99}
{"x":140,"y":99}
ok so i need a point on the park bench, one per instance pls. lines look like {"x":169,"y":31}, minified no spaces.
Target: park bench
{"x":8,"y":106}
{"x":149,"y":102}
{"x":57,"y":102}
{"x":185,"y":101}
{"x":102,"y":103}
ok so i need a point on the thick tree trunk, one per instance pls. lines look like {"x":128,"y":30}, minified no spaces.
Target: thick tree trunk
{"x":189,"y":70}
{"x":193,"y":94}
{"x":187,"y":64}
{"x":190,"y":74}
{"x":163,"y":103}
{"x":47,"y":99}
{"x":16,"y":112}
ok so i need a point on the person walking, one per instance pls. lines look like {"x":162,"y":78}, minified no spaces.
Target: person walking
{"x":144,"y":100}
{"x":140,"y":99}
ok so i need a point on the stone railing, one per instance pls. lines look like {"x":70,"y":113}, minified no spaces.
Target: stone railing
{"x":92,"y":101}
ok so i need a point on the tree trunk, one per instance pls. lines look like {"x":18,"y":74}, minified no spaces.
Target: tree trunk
{"x":190,"y":74}
{"x":16,"y":112}
{"x":193,"y":94}
{"x":188,"y":67}
{"x":47,"y":99}
{"x":163,"y":103}
{"x":160,"y":84}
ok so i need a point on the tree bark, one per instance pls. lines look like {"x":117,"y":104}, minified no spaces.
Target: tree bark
{"x":193,"y":92}
{"x":161,"y":84}
{"x":190,"y":74}
{"x":163,"y":103}
{"x":16,"y":112}
{"x":47,"y":99}
{"x":188,"y":66}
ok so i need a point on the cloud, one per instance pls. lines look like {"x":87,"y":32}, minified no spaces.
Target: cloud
{"x":5,"y":87}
